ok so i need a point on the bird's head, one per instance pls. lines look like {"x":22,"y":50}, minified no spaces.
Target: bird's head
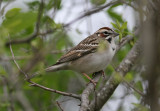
{"x":106,"y":33}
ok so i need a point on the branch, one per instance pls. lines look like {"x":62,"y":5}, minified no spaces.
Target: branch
{"x":38,"y":85}
{"x":58,"y":104}
{"x":87,"y":91}
{"x":2,"y":9}
{"x":34,"y":35}
{"x":7,"y":95}
{"x":90,"y":88}
{"x":126,"y":39}
{"x":131,"y":86}
{"x":16,"y":95}
{"x":16,"y":58}
{"x":0,"y":5}
{"x":93,"y":11}
{"x":105,"y":93}
{"x":123,"y":42}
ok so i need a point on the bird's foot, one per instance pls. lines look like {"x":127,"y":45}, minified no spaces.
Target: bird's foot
{"x":103,"y":74}
{"x":91,"y":80}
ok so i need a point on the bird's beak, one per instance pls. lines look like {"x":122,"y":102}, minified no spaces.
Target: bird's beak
{"x":115,"y":34}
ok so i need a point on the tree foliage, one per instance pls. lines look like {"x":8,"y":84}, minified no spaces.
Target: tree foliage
{"x":38,"y":41}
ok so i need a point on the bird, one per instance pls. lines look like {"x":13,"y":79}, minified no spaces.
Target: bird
{"x":91,"y":55}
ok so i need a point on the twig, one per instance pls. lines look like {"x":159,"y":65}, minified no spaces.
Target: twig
{"x":16,"y":58}
{"x":26,"y":75}
{"x":129,"y":4}
{"x":124,"y":41}
{"x":92,"y":11}
{"x":55,"y":91}
{"x":135,"y":89}
{"x":2,"y":9}
{"x":87,"y":91}
{"x":7,"y":95}
{"x":59,"y":106}
{"x":38,"y":85}
{"x":0,"y":5}
{"x":36,"y":33}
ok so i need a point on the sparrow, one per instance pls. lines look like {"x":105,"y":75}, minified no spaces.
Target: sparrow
{"x":91,"y":55}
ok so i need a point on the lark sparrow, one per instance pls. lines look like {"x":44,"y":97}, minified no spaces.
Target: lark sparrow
{"x":91,"y":55}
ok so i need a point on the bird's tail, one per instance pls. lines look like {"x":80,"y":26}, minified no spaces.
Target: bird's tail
{"x":56,"y":67}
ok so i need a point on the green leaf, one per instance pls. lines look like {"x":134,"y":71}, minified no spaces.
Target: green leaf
{"x":118,"y":24}
{"x":129,"y":77}
{"x":139,"y":85}
{"x":33,"y":5}
{"x":114,"y":15}
{"x":117,"y":77}
{"x":114,"y":25}
{"x":140,"y":107}
{"x":56,"y":4}
{"x":124,"y":25}
{"x":98,"y":2}
{"x":2,"y":71}
{"x":109,"y":70}
{"x":13,"y":12}
{"x":120,"y":36}
{"x":5,"y":104}
{"x":17,"y":21}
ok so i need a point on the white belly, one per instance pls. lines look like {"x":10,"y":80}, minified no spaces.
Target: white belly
{"x":93,"y":62}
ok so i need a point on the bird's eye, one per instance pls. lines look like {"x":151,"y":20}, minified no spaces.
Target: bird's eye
{"x":105,"y":33}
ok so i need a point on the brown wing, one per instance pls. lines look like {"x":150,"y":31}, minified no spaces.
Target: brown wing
{"x":87,"y":46}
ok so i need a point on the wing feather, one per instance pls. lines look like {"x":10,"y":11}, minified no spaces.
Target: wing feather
{"x":87,"y":46}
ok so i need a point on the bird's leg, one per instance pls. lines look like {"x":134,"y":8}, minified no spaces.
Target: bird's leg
{"x":103,"y":73}
{"x":94,"y":83}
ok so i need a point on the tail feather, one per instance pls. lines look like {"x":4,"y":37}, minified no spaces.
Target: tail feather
{"x":56,"y":67}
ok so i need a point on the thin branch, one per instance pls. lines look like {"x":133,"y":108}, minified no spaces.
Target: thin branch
{"x":40,"y":12}
{"x":2,"y":9}
{"x":26,"y":75}
{"x":49,"y":31}
{"x":38,"y":85}
{"x":93,"y":11}
{"x":135,"y":89}
{"x":87,"y":91}
{"x":16,"y":58}
{"x":129,"y":4}
{"x":59,"y":106}
{"x":34,"y":35}
{"x":0,"y":5}
{"x":7,"y":95}
{"x":124,"y":41}
{"x":53,"y":90}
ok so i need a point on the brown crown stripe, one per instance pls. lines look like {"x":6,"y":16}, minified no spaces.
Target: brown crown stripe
{"x":107,"y":28}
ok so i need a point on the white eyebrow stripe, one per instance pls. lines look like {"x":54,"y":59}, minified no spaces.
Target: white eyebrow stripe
{"x":90,"y":44}
{"x":108,"y":37}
